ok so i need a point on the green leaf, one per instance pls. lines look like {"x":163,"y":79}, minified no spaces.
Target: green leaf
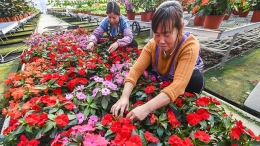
{"x":92,"y":111}
{"x":93,"y":105}
{"x":73,"y":144}
{"x":40,"y":87}
{"x":86,"y":112}
{"x":51,"y":116}
{"x":53,"y":132}
{"x":19,"y":130}
{"x":28,"y":128}
{"x":89,"y":99}
{"x":91,"y":84}
{"x":47,"y":127}
{"x":71,"y":117}
{"x":223,"y":143}
{"x":160,"y":131}
{"x":39,"y":135}
{"x":114,"y":94}
{"x":104,"y":103}
{"x":162,"y":117}
{"x":109,"y":134}
{"x":73,"y":122}
{"x":254,"y":143}
{"x":60,"y":111}
{"x":203,"y":124}
{"x":53,"y":110}
{"x":144,"y":141}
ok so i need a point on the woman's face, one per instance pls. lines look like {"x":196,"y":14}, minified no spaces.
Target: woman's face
{"x":113,"y":18}
{"x":165,"y":40}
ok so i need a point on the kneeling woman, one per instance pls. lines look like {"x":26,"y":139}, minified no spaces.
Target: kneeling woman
{"x":117,"y":26}
{"x":174,"y":56}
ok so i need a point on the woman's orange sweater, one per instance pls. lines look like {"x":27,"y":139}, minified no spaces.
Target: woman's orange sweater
{"x":184,"y":65}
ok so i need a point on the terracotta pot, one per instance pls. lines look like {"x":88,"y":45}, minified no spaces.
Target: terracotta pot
{"x":152,"y":13}
{"x":213,"y":21}
{"x":130,"y":15}
{"x":256,"y":16}
{"x":13,"y":18}
{"x":235,"y":12}
{"x":199,"y":20}
{"x":145,"y":16}
{"x":7,"y":19}
{"x":1,"y":20}
{"x":242,"y":14}
{"x":226,"y":17}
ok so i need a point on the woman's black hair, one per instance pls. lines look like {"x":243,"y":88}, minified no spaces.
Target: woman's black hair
{"x":169,"y":15}
{"x":113,"y":7}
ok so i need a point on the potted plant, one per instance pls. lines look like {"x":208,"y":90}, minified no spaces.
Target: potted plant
{"x":255,"y":6}
{"x":130,"y":7}
{"x":240,"y":8}
{"x":213,"y":11}
{"x":148,"y":7}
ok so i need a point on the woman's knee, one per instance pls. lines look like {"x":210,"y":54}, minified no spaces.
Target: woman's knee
{"x":196,"y":83}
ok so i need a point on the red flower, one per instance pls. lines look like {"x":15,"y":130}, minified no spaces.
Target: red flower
{"x":127,"y":130}
{"x":235,"y":133}
{"x":193,"y":119}
{"x":33,"y":142}
{"x":178,"y":102}
{"x":36,"y":108}
{"x":152,"y":119}
{"x":149,"y":137}
{"x":124,"y":121}
{"x":107,"y":119}
{"x":69,"y":105}
{"x":62,"y":120}
{"x":43,"y":117}
{"x":32,"y":119}
{"x":149,"y":89}
{"x":134,"y":141}
{"x":215,"y":101}
{"x":173,"y":120}
{"x":57,"y":91}
{"x":23,"y":141}
{"x":119,"y":140}
{"x":174,"y":140}
{"x":138,"y":103}
{"x":239,"y":124}
{"x":188,"y":94}
{"x":108,"y":77}
{"x":82,"y":72}
{"x":203,"y":113}
{"x":202,"y":136}
{"x":115,"y":127}
{"x":165,"y":84}
{"x":202,"y":101}
{"x":187,"y":142}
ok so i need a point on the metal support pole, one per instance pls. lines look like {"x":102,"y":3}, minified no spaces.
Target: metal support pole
{"x":229,"y":49}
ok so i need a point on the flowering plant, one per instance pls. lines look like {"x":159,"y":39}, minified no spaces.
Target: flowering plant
{"x":63,"y":96}
{"x":239,"y":4}
{"x":130,"y":5}
{"x":212,"y":7}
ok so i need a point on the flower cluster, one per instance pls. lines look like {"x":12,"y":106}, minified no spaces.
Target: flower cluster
{"x":211,"y":7}
{"x":63,"y":96}
{"x":129,"y":5}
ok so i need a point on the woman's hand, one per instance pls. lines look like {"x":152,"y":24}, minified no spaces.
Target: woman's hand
{"x":113,"y":47}
{"x":139,"y":113}
{"x":90,"y":46}
{"x":121,"y":105}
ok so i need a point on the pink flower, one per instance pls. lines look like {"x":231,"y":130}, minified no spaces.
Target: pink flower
{"x":95,"y":140}
{"x":80,"y":117}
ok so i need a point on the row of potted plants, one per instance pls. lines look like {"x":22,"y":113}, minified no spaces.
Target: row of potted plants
{"x":63,"y":97}
{"x":213,"y":12}
{"x":15,"y":10}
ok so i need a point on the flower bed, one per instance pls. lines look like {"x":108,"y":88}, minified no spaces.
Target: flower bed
{"x":64,"y":95}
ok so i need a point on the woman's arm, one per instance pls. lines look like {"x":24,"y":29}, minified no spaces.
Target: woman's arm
{"x":127,"y":39}
{"x":96,"y":35}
